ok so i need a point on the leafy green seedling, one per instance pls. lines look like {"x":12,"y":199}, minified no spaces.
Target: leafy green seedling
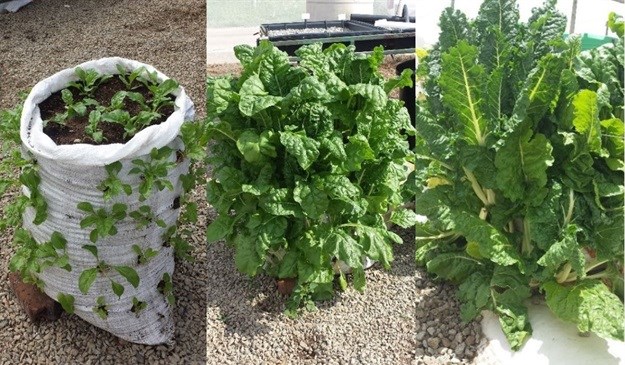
{"x":31,"y":258}
{"x":92,"y":130}
{"x":166,"y":287}
{"x":30,"y":178}
{"x":88,"y":80}
{"x":154,"y":172}
{"x":113,"y":186}
{"x":129,"y":78}
{"x":103,"y":221}
{"x":73,"y":108}
{"x":88,"y":276}
{"x":144,"y":216}
{"x":137,"y":305}
{"x":66,"y":301}
{"x":101,"y":309}
{"x":162,"y":94}
{"x":144,"y":257}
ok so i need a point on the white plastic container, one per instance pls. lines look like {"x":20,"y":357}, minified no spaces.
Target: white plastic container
{"x":330,"y":9}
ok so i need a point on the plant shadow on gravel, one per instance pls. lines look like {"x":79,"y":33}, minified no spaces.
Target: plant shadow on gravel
{"x":247,"y":306}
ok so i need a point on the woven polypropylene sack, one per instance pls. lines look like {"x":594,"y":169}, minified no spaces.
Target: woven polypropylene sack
{"x":69,"y":175}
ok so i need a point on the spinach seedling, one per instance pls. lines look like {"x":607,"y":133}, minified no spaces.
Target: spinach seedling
{"x":129,"y":78}
{"x":143,"y":257}
{"x":88,"y":80}
{"x":162,"y":94}
{"x":101,"y":309}
{"x":144,"y":216}
{"x":103,"y":221}
{"x":154,"y":172}
{"x":113,"y":186}
{"x":137,"y":305}
{"x":30,"y":178}
{"x":73,"y":108}
{"x":31,"y":258}
{"x":92,"y":130}
{"x":88,"y":276}
{"x":67,"y":302}
{"x":166,"y":287}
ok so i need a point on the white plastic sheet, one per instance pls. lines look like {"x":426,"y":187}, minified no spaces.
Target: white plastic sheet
{"x":69,"y":175}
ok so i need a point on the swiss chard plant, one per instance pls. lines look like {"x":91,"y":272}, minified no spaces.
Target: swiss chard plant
{"x":307,"y":162}
{"x":520,"y":169}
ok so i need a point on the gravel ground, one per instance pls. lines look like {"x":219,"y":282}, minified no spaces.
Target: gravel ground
{"x":43,"y":38}
{"x":403,"y":317}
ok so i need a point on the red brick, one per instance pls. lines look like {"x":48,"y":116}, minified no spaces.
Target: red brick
{"x":35,"y":303}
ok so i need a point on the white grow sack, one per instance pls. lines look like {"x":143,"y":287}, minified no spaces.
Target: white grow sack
{"x":69,"y":175}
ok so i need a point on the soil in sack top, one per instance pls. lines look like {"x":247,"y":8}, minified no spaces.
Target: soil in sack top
{"x":111,"y":109}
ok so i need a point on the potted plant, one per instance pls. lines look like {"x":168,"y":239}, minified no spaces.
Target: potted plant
{"x":520,"y":169}
{"x":308,"y":165}
{"x":107,"y":146}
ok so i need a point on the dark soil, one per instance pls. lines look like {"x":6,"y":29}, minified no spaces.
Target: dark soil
{"x":74,"y":129}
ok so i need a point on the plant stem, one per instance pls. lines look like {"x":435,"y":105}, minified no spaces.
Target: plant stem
{"x":437,"y":237}
{"x":569,"y":213}
{"x":476,"y":186}
{"x":563,"y":275}
{"x":526,"y":245}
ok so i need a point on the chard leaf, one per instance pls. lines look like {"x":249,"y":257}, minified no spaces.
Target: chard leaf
{"x":462,"y":82}
{"x":248,"y":144}
{"x":305,"y":150}
{"x":539,"y":91}
{"x":522,"y":164}
{"x":474,"y":292}
{"x":589,"y":304}
{"x":493,"y":244}
{"x":586,"y":120}
{"x":453,"y":266}
{"x":565,"y":250}
{"x":404,"y":218}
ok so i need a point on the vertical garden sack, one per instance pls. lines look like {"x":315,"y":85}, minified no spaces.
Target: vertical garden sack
{"x":137,"y":256}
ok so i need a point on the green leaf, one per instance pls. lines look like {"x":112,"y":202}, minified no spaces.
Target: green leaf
{"x":313,"y":201}
{"x":565,"y":250}
{"x":246,"y":258}
{"x":288,"y":265}
{"x":254,"y":98}
{"x":522,"y":164}
{"x":129,"y":273}
{"x":91,"y":248}
{"x":280,"y":202}
{"x":248,"y":144}
{"x":404,"y":218}
{"x":493,"y":244}
{"x":118,"y":289}
{"x":344,"y":247}
{"x":586,"y":120}
{"x":219,"y":228}
{"x":589,"y":304}
{"x":461,"y":83}
{"x":304,"y":149}
{"x":67,"y":302}
{"x":86,"y":279}
{"x":453,"y":266}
